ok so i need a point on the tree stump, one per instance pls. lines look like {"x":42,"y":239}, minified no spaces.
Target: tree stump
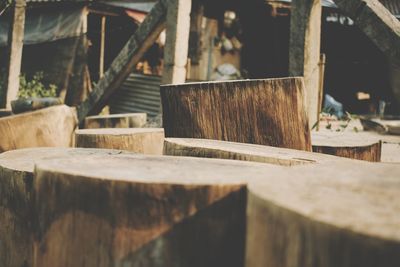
{"x":348,"y":145}
{"x":207,"y":148}
{"x":142,"y":211}
{"x":339,"y":215}
{"x":267,"y":112}
{"x":49,"y":127}
{"x":139,"y":140}
{"x":17,"y":210}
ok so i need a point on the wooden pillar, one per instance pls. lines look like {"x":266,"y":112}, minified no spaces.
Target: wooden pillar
{"x":177,"y":43}
{"x":102,"y":45}
{"x":15,"y":45}
{"x":305,"y":42}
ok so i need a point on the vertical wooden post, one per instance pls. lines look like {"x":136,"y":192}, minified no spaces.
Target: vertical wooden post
{"x":102,"y":46}
{"x":321,"y":86}
{"x":15,"y":45}
{"x":177,"y":42}
{"x":305,"y":42}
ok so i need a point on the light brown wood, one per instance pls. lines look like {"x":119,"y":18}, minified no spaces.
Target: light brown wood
{"x":49,"y":127}
{"x":349,"y":145}
{"x":207,"y":148}
{"x":140,"y":140}
{"x":127,"y":120}
{"x":266,"y":112}
{"x":142,"y":211}
{"x":17,"y":210}
{"x":336,"y":215}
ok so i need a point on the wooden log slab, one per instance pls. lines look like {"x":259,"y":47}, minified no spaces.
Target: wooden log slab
{"x":140,"y":140}
{"x":142,"y":211}
{"x":17,"y":210}
{"x":238,"y":151}
{"x":349,"y":145}
{"x":49,"y":127}
{"x":340,"y":215}
{"x":128,"y":120}
{"x":267,"y":112}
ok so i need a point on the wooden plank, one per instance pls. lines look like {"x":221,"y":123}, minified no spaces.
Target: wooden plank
{"x":177,"y":42}
{"x":147,"y":141}
{"x":15,"y":46}
{"x":344,"y":215}
{"x":266,"y":112}
{"x":304,"y":52}
{"x":123,"y":64}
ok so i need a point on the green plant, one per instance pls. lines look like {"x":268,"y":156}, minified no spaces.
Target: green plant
{"x":35,"y":87}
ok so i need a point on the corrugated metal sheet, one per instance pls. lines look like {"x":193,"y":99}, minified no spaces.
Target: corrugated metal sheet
{"x":139,"y":93}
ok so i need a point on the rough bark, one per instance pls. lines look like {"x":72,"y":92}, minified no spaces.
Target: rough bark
{"x":139,"y":140}
{"x":266,"y":112}
{"x":206,"y":148}
{"x":128,"y":120}
{"x":17,"y":210}
{"x":142,"y":211}
{"x":123,"y":64}
{"x":338,"y":215}
{"x":49,"y":127}
{"x":347,"y":145}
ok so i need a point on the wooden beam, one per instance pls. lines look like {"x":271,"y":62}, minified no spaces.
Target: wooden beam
{"x":102,"y":46}
{"x":123,"y":64}
{"x":177,"y":42}
{"x":304,"y":53}
{"x":15,"y":45}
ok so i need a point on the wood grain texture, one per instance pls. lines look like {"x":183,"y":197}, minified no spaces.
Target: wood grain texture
{"x":127,"y":120}
{"x":349,"y":145}
{"x":268,"y":112}
{"x":17,"y":210}
{"x":139,"y":140}
{"x":336,"y":215}
{"x":207,"y":148}
{"x":142,"y":211}
{"x":129,"y":56}
{"x":49,"y":127}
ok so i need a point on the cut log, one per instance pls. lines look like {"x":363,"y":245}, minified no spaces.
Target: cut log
{"x":142,"y":211}
{"x":341,"y":215}
{"x":49,"y":127}
{"x":266,"y":112}
{"x":128,"y":120}
{"x":238,"y":151}
{"x":349,"y":145}
{"x":17,"y":211}
{"x":139,"y":140}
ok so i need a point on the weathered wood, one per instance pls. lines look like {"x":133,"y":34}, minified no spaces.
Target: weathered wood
{"x":48,"y":127}
{"x":267,"y":112}
{"x":304,"y":52}
{"x":128,"y":120}
{"x":17,"y":210}
{"x":15,"y":45}
{"x":123,"y":64}
{"x":33,"y":103}
{"x":206,"y":148}
{"x":177,"y":41}
{"x":102,"y":45}
{"x":349,"y":145}
{"x":141,"y":140}
{"x":142,"y":211}
{"x":341,"y":215}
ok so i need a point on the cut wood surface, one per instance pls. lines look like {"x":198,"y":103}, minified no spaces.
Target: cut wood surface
{"x":127,"y":120}
{"x":238,"y":151}
{"x":140,"y":140}
{"x":349,"y":145}
{"x":49,"y":127}
{"x":142,"y":211}
{"x":339,"y":215}
{"x":17,"y":210}
{"x":266,"y":112}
